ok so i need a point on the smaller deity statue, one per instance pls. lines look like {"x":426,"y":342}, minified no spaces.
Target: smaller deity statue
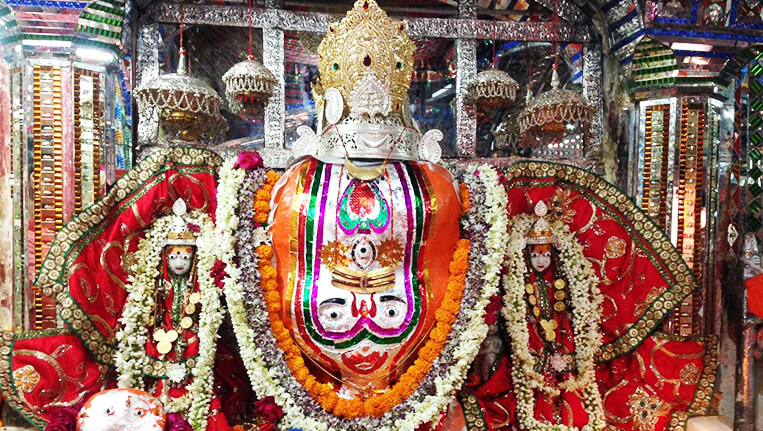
{"x":549,"y":323}
{"x":177,"y":295}
{"x":173,"y":328}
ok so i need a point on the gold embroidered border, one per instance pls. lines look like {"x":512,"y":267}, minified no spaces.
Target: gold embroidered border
{"x":642,"y":228}
{"x":86,"y":226}
{"x":475,"y":420}
{"x":703,"y":395}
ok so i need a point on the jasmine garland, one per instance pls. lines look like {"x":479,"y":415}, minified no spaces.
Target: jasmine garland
{"x":586,"y":310}
{"x":268,"y":370}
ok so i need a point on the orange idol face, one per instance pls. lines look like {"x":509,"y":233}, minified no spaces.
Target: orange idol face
{"x":363,"y":265}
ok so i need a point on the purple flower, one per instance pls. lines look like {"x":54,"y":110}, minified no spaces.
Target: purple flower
{"x":176,"y":422}
{"x":249,"y":160}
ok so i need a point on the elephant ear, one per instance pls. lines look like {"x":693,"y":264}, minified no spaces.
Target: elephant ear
{"x":86,"y":268}
{"x":643,"y":276}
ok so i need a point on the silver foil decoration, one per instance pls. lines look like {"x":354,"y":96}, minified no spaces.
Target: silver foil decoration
{"x":467,"y":9}
{"x":593,"y":92}
{"x":147,"y":69}
{"x":449,"y":28}
{"x":466,"y":121}
{"x":273,"y":58}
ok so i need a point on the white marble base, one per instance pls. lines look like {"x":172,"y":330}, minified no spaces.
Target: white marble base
{"x":709,"y":423}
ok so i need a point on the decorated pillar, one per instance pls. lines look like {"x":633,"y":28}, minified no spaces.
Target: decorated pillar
{"x":58,"y":138}
{"x":676,"y":177}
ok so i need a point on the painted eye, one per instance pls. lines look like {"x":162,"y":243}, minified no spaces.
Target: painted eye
{"x":333,"y":315}
{"x":391,"y":313}
{"x":109,"y":411}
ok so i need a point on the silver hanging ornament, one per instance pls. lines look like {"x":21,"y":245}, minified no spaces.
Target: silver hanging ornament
{"x":188,"y":107}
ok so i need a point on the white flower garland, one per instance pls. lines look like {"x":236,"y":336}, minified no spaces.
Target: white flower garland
{"x":586,"y":308}
{"x":419,"y":409}
{"x":131,"y":358}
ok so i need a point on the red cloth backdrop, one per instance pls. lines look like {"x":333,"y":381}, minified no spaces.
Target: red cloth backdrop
{"x":645,"y":377}
{"x":86,"y":270}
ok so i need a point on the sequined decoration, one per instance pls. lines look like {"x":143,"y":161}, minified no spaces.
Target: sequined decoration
{"x":646,"y":410}
{"x":26,"y":378}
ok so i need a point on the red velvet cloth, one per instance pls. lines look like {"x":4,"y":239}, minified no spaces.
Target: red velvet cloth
{"x":53,"y":370}
{"x":754,"y":287}
{"x":655,"y":378}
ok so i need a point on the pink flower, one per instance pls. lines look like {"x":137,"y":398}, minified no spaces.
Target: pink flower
{"x":249,"y":160}
{"x":268,"y":410}
{"x":63,"y":418}
{"x":176,"y":422}
{"x":218,"y":273}
{"x":194,"y":227}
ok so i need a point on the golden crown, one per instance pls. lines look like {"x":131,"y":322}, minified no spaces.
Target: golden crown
{"x":366,"y":40}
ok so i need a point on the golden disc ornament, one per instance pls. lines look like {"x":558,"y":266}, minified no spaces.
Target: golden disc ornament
{"x":188,"y":108}
{"x":248,"y":86}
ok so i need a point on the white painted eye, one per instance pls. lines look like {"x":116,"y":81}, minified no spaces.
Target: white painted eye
{"x":335,"y":315}
{"x":391,"y":312}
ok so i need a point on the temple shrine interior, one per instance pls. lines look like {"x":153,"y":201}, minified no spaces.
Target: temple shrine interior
{"x":424,"y":215}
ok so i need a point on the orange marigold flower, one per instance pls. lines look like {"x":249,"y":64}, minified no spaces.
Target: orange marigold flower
{"x":328,"y":402}
{"x":272,"y":177}
{"x":272,"y":297}
{"x":261,"y":207}
{"x":445,"y":316}
{"x":264,"y":251}
{"x":262,"y":195}
{"x":269,"y":285}
{"x":277,"y":326}
{"x":260,"y":218}
{"x":463,"y":192}
{"x":268,"y":272}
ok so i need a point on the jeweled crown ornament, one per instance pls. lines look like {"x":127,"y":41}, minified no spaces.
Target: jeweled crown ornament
{"x":180,"y":233}
{"x":541,"y":232}
{"x":366,"y":66}
{"x":366,"y":40}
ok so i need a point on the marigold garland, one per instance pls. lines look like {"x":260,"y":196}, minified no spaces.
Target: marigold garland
{"x":324,"y":392}
{"x":463,"y":192}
